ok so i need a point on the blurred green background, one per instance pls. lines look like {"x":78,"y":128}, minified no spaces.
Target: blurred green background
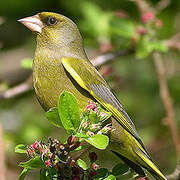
{"x":132,"y":77}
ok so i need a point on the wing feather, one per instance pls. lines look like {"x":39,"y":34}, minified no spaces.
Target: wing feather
{"x":89,"y":78}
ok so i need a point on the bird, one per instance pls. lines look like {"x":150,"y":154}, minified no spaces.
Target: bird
{"x":61,"y":64}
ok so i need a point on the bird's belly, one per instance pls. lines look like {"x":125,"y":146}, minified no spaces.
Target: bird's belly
{"x":49,"y":83}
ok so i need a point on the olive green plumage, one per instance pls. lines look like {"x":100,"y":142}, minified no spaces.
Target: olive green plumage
{"x":60,"y":63}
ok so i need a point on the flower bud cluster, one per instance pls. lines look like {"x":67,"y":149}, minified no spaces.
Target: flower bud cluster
{"x":148,"y":18}
{"x":93,"y":119}
{"x":38,"y":148}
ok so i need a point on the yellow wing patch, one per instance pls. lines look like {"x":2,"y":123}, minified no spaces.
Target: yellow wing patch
{"x":73,"y":73}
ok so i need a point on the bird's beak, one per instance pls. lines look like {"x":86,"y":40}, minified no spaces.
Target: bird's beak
{"x":33,"y":23}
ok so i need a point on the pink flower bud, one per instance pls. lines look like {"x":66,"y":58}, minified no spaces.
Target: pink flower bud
{"x":93,"y":156}
{"x":50,"y":156}
{"x":158,"y":23}
{"x":143,"y":178}
{"x":91,"y":105}
{"x":141,"y":30}
{"x":146,"y":17}
{"x":44,"y":151}
{"x":95,"y":166}
{"x":30,"y":152}
{"x":36,"y":145}
{"x":89,"y":133}
{"x":48,"y":163}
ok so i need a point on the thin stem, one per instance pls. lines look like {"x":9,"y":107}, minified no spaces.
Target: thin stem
{"x":166,"y":99}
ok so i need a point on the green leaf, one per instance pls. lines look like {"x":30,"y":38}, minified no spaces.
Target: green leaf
{"x":23,"y":174}
{"x":99,"y":141}
{"x":53,"y":117}
{"x":110,"y":177}
{"x":82,"y":164}
{"x":120,"y":169}
{"x":95,"y":15}
{"x":122,"y":27}
{"x":21,"y":148}
{"x":34,"y":163}
{"x":43,"y":174}
{"x":51,"y":173}
{"x":159,"y":46}
{"x":69,"y":111}
{"x":93,"y":117}
{"x":101,"y":173}
{"x":143,"y":48}
{"x":27,"y":63}
{"x":81,"y":135}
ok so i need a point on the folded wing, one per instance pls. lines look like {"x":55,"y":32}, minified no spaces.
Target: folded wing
{"x":85,"y":74}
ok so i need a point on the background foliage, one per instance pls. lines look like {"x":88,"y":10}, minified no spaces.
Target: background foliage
{"x":105,"y":26}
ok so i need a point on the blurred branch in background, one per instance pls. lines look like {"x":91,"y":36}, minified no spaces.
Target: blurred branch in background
{"x":173,"y":42}
{"x":169,"y":119}
{"x":100,"y":60}
{"x":17,"y":90}
{"x":164,"y":92}
{"x":162,"y":5}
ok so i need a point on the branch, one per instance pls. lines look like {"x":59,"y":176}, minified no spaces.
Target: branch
{"x":166,"y":99}
{"x":143,"y":6}
{"x":79,"y":154}
{"x":174,"y":42}
{"x":100,"y":60}
{"x":162,"y":5}
{"x":17,"y":90}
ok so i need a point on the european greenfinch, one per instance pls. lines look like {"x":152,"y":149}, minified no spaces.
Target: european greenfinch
{"x":60,"y":63}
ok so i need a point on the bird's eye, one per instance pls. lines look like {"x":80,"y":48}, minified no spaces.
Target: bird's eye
{"x":51,"y":21}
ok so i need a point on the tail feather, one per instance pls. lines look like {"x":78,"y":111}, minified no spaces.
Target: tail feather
{"x":150,"y":166}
